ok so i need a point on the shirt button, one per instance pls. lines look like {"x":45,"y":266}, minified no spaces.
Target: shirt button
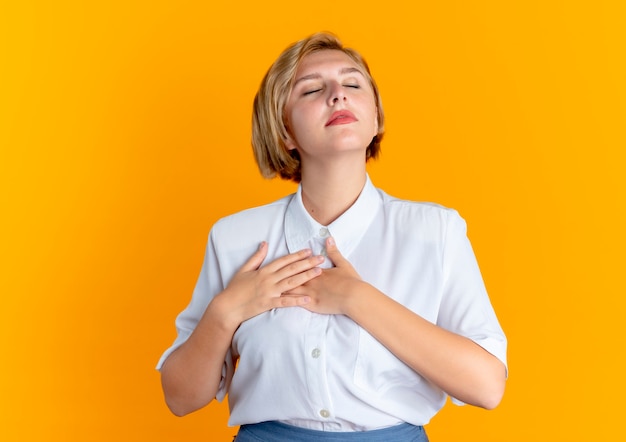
{"x":316,"y":353}
{"x":323,"y":252}
{"x":323,"y":232}
{"x":324,"y":413}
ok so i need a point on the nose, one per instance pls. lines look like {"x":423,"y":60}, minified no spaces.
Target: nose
{"x":336,"y":94}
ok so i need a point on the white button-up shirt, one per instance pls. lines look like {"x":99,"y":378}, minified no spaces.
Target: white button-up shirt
{"x":325,"y":372}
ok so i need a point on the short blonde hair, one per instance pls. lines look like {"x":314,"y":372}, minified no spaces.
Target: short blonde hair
{"x":268,"y":121}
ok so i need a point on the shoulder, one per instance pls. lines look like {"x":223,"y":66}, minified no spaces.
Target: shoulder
{"x":423,"y":221}
{"x":253,"y":219}
{"x":402,"y":210}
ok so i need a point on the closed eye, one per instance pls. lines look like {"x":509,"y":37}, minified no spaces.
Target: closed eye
{"x":311,"y":92}
{"x":355,"y":86}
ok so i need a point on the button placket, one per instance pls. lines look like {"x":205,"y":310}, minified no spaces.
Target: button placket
{"x":315,"y":363}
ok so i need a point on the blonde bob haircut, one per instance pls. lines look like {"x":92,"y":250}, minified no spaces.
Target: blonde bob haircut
{"x":269,"y":130}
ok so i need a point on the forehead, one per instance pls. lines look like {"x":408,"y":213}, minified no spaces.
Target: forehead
{"x":326,"y":60}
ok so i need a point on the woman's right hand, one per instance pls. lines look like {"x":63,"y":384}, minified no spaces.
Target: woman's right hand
{"x":255,"y":289}
{"x":191,"y":375}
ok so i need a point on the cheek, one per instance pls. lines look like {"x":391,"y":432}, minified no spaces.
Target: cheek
{"x":372,"y":112}
{"x":374,"y":116}
{"x":375,"y":121}
{"x":296,"y":127}
{"x":300,"y":118}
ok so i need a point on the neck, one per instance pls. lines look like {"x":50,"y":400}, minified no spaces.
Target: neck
{"x":329,"y":191}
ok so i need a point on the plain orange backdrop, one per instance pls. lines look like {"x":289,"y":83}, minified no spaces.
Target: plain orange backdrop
{"x":124,"y":134}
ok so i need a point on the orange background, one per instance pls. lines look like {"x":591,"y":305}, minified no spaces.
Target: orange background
{"x":124,"y":134}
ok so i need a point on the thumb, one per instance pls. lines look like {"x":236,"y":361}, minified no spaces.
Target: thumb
{"x":333,"y":252}
{"x":255,"y":260}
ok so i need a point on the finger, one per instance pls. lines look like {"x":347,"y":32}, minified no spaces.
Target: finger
{"x":296,"y":268}
{"x":297,"y":280}
{"x":255,"y":260}
{"x":289,"y":301}
{"x":333,"y":252}
{"x":301,"y":290}
{"x":287,"y":260}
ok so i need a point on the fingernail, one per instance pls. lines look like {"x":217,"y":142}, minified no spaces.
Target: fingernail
{"x":331,"y":241}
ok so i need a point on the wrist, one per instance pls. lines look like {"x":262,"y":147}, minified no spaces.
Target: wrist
{"x":222,"y":313}
{"x":357,"y":293}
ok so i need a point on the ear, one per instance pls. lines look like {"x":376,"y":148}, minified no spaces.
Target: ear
{"x":290,"y":144}
{"x":376,"y":121}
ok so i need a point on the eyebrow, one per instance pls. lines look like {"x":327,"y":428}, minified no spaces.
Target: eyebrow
{"x":316,"y":75}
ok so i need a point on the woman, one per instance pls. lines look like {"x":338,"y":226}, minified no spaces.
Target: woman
{"x":348,"y":314}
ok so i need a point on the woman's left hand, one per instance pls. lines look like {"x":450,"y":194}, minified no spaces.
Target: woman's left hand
{"x":330,"y":292}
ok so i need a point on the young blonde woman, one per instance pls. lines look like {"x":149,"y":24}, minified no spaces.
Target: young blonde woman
{"x":339,"y":312}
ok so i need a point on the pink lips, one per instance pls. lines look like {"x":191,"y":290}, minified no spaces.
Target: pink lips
{"x":341,"y":117}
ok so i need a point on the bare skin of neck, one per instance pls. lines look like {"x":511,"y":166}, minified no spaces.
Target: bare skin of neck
{"x":330,"y":188}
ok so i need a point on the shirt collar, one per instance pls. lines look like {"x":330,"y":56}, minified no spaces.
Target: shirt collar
{"x":347,"y":230}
